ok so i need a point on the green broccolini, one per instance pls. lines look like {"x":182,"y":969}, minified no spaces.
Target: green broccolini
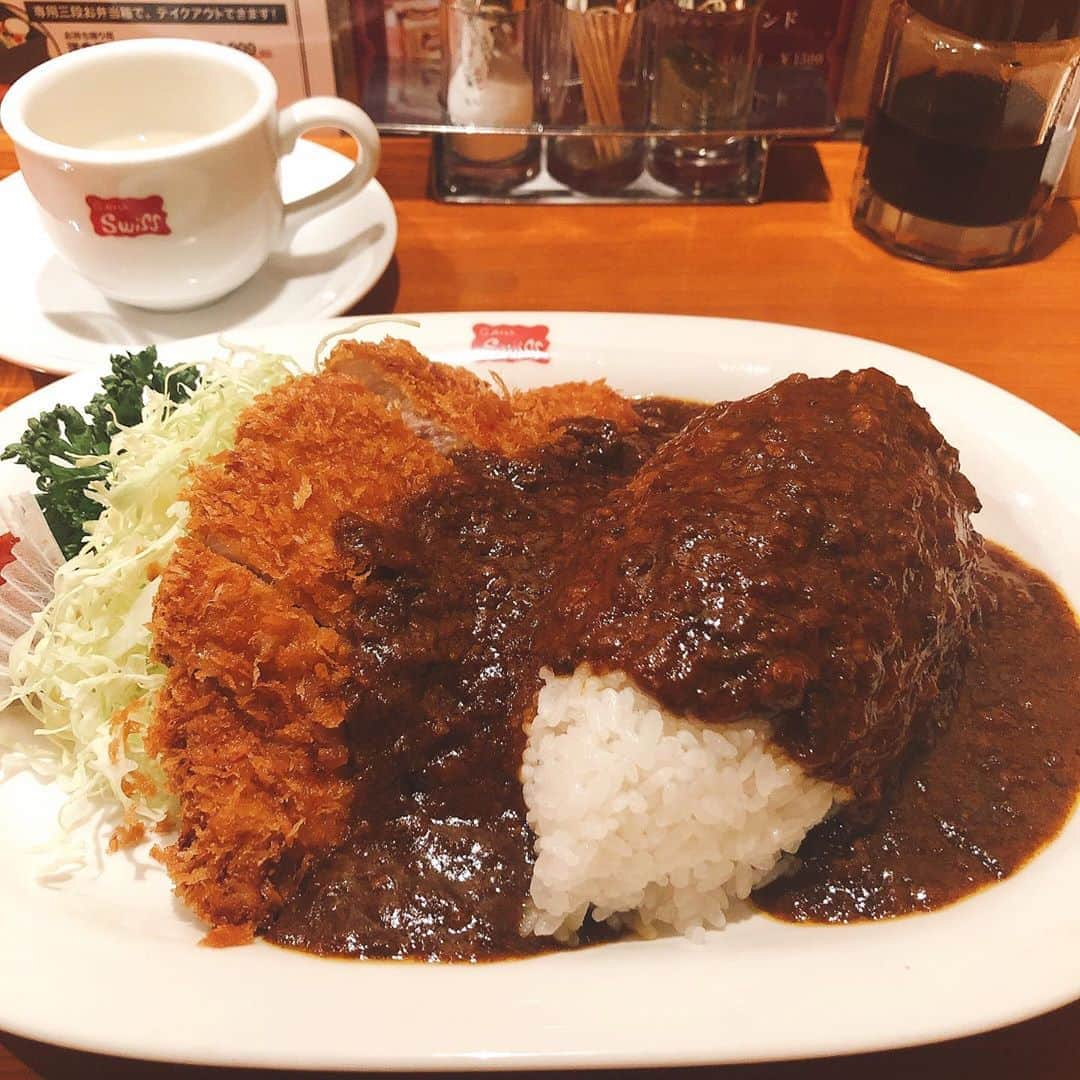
{"x":63,"y":448}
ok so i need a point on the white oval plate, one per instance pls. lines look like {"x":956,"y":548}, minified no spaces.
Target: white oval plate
{"x":109,"y":962}
{"x":56,"y":321}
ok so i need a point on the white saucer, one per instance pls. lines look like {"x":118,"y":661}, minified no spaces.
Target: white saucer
{"x":54,"y":320}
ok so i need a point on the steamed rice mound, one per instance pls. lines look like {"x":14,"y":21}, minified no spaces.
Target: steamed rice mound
{"x":650,"y":818}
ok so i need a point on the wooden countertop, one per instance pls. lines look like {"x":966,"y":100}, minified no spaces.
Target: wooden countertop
{"x":793,"y":259}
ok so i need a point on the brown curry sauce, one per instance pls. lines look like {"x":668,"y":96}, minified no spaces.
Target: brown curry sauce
{"x":439,"y":857}
{"x":999,"y":782}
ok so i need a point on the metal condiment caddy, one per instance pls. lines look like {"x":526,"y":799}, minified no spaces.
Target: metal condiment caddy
{"x":604,"y":100}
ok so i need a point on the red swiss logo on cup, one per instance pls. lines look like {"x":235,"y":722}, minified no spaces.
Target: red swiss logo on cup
{"x":129,"y":217}
{"x":512,"y":342}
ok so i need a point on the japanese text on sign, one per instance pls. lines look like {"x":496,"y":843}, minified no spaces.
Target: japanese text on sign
{"x":159,"y":14}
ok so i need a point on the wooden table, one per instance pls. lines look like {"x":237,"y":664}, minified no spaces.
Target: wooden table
{"x":794,"y":259}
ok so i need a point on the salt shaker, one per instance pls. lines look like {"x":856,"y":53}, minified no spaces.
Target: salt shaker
{"x":487,"y":55}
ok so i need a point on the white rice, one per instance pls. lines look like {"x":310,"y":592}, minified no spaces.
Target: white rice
{"x":652,"y":818}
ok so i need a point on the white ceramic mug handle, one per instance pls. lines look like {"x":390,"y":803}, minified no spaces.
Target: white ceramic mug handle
{"x":321,"y":112}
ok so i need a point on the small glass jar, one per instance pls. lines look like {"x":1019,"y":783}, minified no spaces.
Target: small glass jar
{"x":706,"y":60}
{"x":489,"y":56}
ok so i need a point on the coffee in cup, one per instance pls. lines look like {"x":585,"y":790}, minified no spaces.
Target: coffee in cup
{"x":154,"y":165}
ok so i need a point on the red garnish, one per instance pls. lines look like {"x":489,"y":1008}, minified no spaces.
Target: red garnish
{"x":7,"y":551}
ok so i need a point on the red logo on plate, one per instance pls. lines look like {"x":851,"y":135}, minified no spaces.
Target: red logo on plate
{"x":512,"y":342}
{"x":129,"y":217}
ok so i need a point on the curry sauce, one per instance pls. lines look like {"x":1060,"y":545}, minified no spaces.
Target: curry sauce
{"x":998,"y":783}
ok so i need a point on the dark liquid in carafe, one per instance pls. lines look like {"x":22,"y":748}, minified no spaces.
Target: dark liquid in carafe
{"x":951,"y":148}
{"x":1005,"y":20}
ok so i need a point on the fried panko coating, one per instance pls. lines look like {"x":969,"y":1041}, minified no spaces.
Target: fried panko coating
{"x":448,"y":406}
{"x":539,"y":414}
{"x":323,"y":445}
{"x":248,"y":732}
{"x":452,"y":407}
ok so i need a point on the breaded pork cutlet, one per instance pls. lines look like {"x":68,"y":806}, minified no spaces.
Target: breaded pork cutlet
{"x":248,"y":732}
{"x":306,"y":453}
{"x":362,"y":437}
{"x":248,"y":728}
{"x":447,"y":406}
{"x":452,"y":407}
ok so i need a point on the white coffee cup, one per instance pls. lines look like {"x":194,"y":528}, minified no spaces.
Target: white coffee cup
{"x":154,"y":165}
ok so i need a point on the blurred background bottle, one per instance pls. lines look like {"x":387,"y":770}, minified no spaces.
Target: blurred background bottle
{"x":972,"y":116}
{"x":1006,"y":20}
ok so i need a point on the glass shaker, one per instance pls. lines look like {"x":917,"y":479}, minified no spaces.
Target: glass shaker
{"x":489,"y":51}
{"x":973,"y":114}
{"x":596,"y":73}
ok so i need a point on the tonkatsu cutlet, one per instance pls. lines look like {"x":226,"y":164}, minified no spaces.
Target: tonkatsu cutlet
{"x":453,"y":408}
{"x":362,"y":437}
{"x":248,"y":732}
{"x":309,"y":451}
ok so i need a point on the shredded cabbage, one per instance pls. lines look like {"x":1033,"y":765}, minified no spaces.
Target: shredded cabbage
{"x":83,"y":670}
